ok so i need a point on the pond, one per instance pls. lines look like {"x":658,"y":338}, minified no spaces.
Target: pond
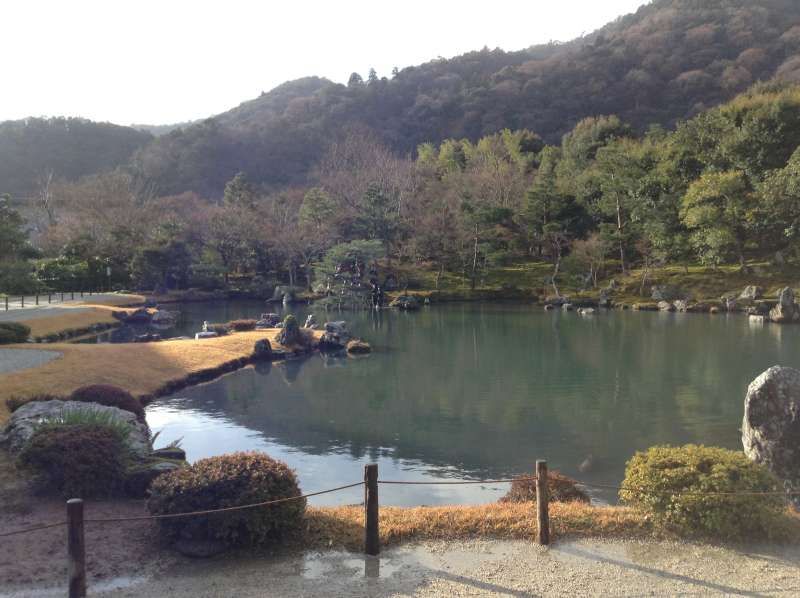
{"x":480,"y":391}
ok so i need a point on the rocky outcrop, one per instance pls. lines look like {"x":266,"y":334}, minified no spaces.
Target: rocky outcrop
{"x":667,"y":292}
{"x":405,"y":302}
{"x":290,"y":334}
{"x":665,"y":306}
{"x":269,"y":320}
{"x":681,"y":305}
{"x":785,"y":310}
{"x":771,"y":425}
{"x":586,"y":311}
{"x":262,"y":350}
{"x":311,"y":322}
{"x":357,"y":346}
{"x":335,"y":336}
{"x":165,"y":318}
{"x":751,"y":293}
{"x":24,"y":421}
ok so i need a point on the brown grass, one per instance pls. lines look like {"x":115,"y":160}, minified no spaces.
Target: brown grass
{"x":72,"y":319}
{"x":343,"y":526}
{"x":140,"y":368}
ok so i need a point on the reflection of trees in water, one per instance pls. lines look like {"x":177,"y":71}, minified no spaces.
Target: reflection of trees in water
{"x":545,"y":385}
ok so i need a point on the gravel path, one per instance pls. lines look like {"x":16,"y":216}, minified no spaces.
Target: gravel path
{"x":33,"y":313}
{"x":479,"y":568}
{"x":12,"y":360}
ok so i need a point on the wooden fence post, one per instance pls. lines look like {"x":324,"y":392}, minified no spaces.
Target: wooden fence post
{"x":6,"y":302}
{"x":542,"y":507}
{"x":76,"y":549}
{"x":372,"y":543}
{"x":37,"y":298}
{"x":22,"y":300}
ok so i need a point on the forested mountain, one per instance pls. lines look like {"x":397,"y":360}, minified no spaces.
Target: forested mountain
{"x":668,"y":61}
{"x":36,"y":149}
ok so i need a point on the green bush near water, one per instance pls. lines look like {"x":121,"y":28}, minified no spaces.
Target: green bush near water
{"x":226,"y":481}
{"x":698,"y":490}
{"x":13,"y":332}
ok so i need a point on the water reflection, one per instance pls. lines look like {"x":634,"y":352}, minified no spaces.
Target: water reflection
{"x":483,"y":391}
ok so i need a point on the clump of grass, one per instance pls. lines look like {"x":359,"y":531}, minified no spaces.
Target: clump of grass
{"x":88,"y":417}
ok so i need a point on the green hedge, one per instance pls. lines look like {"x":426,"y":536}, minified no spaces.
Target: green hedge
{"x":227,"y":481}
{"x":676,"y":486}
{"x":13,"y":332}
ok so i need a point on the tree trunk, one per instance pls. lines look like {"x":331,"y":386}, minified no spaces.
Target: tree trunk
{"x":475,"y":258}
{"x":619,"y":232}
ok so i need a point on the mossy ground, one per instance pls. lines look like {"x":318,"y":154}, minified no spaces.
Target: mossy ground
{"x":531,"y":280}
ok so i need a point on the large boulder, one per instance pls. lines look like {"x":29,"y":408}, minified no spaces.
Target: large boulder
{"x":24,"y":421}
{"x":290,"y":334}
{"x":665,"y":306}
{"x":786,"y":309}
{"x":751,"y":293}
{"x":262,"y":350}
{"x":771,"y":425}
{"x":405,"y":302}
{"x":667,"y":292}
{"x":335,"y":336}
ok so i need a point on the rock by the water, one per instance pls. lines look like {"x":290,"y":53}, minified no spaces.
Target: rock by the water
{"x":335,"y":336}
{"x":285,"y":294}
{"x":269,"y":320}
{"x":357,"y":346}
{"x":262,"y":350}
{"x":751,"y":293}
{"x":786,"y":309}
{"x":665,"y":306}
{"x":165,"y":318}
{"x":311,"y":322}
{"x":290,"y":334}
{"x":667,"y":293}
{"x":771,"y":424}
{"x":757,"y":318}
{"x":586,"y":311}
{"x":205,"y":334}
{"x":170,"y":452}
{"x":139,"y":316}
{"x":24,"y":421}
{"x":681,"y":305}
{"x":147,"y":337}
{"x":405,"y":302}
{"x":138,"y":477}
{"x":567,"y":307}
{"x":713,"y":309}
{"x":729,"y":303}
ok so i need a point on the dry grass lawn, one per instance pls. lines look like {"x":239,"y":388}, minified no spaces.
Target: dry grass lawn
{"x":343,"y":526}
{"x":140,"y":368}
{"x":82,"y":316}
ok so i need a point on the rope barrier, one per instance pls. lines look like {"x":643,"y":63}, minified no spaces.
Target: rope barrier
{"x":32,"y":529}
{"x":456,"y":482}
{"x":222,"y":510}
{"x":686,"y":493}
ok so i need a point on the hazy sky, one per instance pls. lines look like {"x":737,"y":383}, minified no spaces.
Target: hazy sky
{"x":165,"y":61}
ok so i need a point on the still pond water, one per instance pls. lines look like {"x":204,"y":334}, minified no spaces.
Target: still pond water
{"x":479,"y":391}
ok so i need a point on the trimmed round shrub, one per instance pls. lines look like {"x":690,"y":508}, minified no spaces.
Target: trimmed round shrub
{"x":110,"y":396}
{"x":227,"y":481}
{"x":676,"y":486}
{"x":13,"y":332}
{"x":561,"y":489}
{"x":242,"y":325}
{"x":78,"y":461}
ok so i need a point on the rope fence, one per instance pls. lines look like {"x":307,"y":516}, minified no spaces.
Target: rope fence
{"x":75,"y":520}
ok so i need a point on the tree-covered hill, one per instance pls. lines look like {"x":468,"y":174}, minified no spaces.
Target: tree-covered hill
{"x":34,"y":150}
{"x":668,"y":61}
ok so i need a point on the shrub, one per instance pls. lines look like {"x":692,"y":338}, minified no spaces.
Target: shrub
{"x":83,"y":460}
{"x":13,"y":332}
{"x":242,"y":325}
{"x":227,"y":481}
{"x":110,"y":396}
{"x":220,"y":329}
{"x":672,"y":485}
{"x":561,"y":489}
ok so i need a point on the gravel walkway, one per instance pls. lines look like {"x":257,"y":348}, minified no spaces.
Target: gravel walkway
{"x":479,"y":568}
{"x":34,"y":313}
{"x":12,"y":360}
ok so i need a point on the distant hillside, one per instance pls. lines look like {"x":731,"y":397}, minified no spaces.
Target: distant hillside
{"x":68,"y":147}
{"x":158,"y":130}
{"x":668,"y":61}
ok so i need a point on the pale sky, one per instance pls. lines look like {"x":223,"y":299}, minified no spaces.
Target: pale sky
{"x":166,"y":61}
